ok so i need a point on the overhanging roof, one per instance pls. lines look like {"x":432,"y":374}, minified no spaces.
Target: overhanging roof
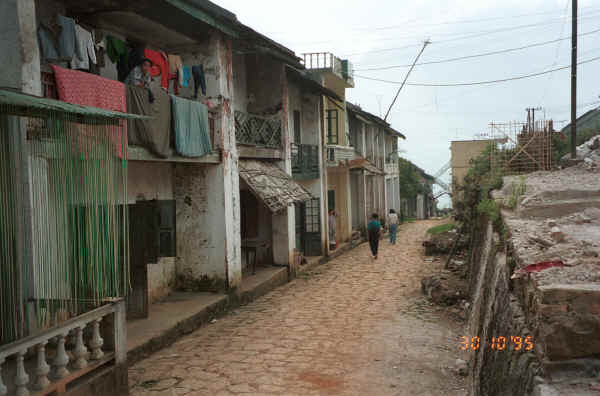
{"x":365,"y":164}
{"x":372,"y":117}
{"x":304,"y":77}
{"x":271,"y":185}
{"x":17,"y":103}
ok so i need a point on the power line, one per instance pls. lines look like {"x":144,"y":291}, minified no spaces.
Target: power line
{"x":464,"y":35}
{"x":416,"y":21}
{"x":477,"y":20}
{"x":477,"y":82}
{"x":479,"y":55}
{"x":551,"y":77}
{"x":468,"y":91}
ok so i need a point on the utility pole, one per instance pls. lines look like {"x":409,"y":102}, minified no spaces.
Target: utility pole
{"x":574,"y":82}
{"x":531,"y":118}
{"x":425,"y":44}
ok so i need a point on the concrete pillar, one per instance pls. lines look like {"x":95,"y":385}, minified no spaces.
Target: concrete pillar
{"x":225,"y":199}
{"x":322,"y":175}
{"x":19,"y":46}
{"x":324,"y":183}
{"x":362,"y":197}
{"x":21,"y":70}
{"x":284,"y":223}
{"x":348,"y":208}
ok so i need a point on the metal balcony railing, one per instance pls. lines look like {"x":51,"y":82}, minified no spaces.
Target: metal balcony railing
{"x":255,"y":130}
{"x":305,"y":161}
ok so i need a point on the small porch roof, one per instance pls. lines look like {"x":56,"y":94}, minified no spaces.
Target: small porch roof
{"x":363,"y":163}
{"x":271,"y":185}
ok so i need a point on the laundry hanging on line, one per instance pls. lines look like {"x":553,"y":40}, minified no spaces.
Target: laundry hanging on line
{"x":155,"y":133}
{"x":88,"y":89}
{"x":190,"y":127}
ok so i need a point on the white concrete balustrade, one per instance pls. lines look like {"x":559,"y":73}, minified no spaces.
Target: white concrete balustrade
{"x":44,"y":362}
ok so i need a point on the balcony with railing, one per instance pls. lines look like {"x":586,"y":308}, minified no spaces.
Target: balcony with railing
{"x":54,"y":360}
{"x":257,"y":130}
{"x":327,"y":62}
{"x":305,"y":161}
{"x":340,"y":155}
{"x":391,"y":168}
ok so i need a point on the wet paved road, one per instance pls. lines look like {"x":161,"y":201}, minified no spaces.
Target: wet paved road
{"x":354,"y":326}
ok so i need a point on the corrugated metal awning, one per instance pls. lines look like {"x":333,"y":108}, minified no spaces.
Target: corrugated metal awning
{"x":271,"y":185}
{"x":18,"y":103}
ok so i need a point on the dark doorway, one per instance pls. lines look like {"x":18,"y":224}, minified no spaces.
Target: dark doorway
{"x":331,"y":200}
{"x":308,"y":227}
{"x":143,"y":249}
{"x":249,"y":214}
{"x":152,"y":234}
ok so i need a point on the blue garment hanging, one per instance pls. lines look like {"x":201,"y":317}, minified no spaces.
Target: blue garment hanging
{"x":191,"y":127}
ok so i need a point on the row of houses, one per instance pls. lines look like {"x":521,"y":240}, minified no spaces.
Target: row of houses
{"x":238,"y":154}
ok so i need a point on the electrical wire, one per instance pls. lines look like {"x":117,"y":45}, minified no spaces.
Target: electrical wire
{"x":551,"y":77}
{"x":416,"y":21}
{"x":463,"y":36}
{"x":477,"y":82}
{"x":480,"y":55}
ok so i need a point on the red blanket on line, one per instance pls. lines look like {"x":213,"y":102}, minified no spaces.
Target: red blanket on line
{"x":91,"y":90}
{"x":160,"y":66}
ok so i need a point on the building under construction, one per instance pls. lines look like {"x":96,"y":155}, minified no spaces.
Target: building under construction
{"x":521,"y":147}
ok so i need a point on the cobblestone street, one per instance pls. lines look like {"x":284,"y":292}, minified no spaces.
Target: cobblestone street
{"x":354,"y":326}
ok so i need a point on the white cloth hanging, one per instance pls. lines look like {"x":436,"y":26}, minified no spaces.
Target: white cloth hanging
{"x":85,"y":48}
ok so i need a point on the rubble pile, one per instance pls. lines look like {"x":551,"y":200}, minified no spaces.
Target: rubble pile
{"x":589,"y":151}
{"x":553,"y":238}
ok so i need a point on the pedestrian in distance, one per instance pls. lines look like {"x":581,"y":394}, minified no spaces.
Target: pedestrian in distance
{"x":332,"y":221}
{"x":393,"y":222}
{"x":374,"y":230}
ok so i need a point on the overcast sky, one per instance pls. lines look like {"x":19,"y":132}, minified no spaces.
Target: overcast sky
{"x":381,"y":33}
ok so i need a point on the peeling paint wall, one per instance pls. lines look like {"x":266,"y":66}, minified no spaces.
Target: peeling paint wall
{"x":239,"y":83}
{"x":161,"y":279}
{"x":200,"y":225}
{"x":227,"y":192}
{"x":149,"y":180}
{"x":264,"y":80}
{"x":19,"y":47}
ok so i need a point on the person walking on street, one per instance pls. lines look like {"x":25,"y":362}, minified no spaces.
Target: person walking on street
{"x":332,"y":221}
{"x":393,"y":222}
{"x":374,"y":230}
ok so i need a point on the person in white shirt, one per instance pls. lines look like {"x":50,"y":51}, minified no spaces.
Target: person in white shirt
{"x":393,"y":223}
{"x":332,"y":221}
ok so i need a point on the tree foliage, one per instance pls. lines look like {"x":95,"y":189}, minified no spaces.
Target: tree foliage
{"x":410,"y":182}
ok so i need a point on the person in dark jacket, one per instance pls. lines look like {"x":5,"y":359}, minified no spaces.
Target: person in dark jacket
{"x":374,"y":230}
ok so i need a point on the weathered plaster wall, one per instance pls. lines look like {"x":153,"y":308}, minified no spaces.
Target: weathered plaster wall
{"x":19,"y":46}
{"x":265,"y":85}
{"x":162,"y":277}
{"x":149,"y":180}
{"x":461,"y":153}
{"x":201,"y":244}
{"x":339,"y":180}
{"x":239,"y":83}
{"x":284,"y":223}
{"x":224,"y":178}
